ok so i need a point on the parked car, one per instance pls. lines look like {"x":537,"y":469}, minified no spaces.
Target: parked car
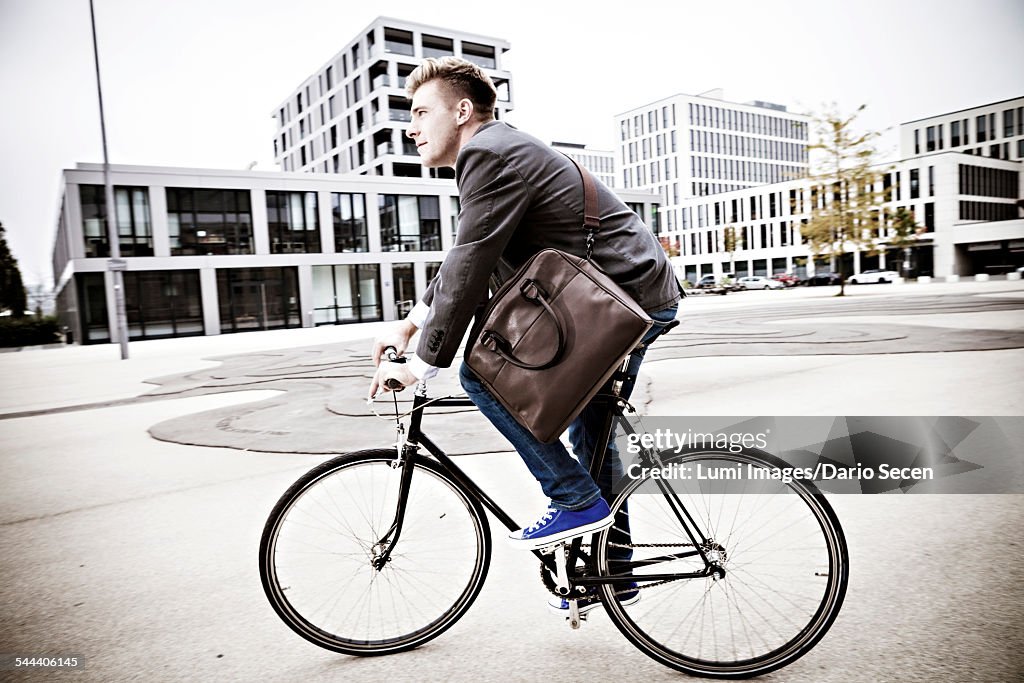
{"x":823,"y":278}
{"x":706,"y":282}
{"x":873,"y":276}
{"x":758,"y":282}
{"x":709,"y":284}
{"x":786,"y":279}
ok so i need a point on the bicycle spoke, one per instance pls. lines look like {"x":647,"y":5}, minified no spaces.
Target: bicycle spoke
{"x":769,"y":538}
{"x":327,"y":533}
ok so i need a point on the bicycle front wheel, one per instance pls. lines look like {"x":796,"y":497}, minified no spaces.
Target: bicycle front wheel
{"x":320,"y":541}
{"x":779,"y":544}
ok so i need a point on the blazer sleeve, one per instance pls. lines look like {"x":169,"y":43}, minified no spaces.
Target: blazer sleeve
{"x":494,"y":199}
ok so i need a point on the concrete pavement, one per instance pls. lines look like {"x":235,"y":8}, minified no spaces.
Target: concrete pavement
{"x":140,"y":554}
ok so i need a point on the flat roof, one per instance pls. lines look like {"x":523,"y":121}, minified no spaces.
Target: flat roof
{"x":958,"y":111}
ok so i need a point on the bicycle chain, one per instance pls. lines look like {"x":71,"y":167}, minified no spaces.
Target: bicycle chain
{"x":549,"y":583}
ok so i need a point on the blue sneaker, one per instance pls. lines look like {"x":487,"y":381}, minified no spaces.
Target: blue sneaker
{"x":556,"y":526}
{"x":591,"y":600}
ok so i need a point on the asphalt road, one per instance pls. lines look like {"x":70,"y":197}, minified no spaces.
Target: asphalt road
{"x":139,"y":554}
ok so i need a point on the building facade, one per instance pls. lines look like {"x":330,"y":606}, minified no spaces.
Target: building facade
{"x":351,"y":114}
{"x":694,"y":146}
{"x":967,"y":207}
{"x":599,"y":162}
{"x":210,"y":252}
{"x":993,"y":130}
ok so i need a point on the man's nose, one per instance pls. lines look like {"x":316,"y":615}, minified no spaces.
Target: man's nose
{"x":412,"y":132}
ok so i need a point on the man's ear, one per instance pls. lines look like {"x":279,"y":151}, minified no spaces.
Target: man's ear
{"x":464,"y":110}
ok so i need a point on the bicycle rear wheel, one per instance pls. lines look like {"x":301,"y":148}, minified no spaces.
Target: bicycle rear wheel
{"x":324,"y":532}
{"x":780,"y":545}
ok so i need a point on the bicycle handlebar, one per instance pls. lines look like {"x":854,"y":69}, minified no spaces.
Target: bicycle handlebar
{"x":391,"y":354}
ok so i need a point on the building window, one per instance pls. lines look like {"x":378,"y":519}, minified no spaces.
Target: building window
{"x":258,"y":298}
{"x":403,"y":281}
{"x":398,"y":42}
{"x":987,"y":211}
{"x":346,"y":294}
{"x":349,"y":211}
{"x":292,"y":223}
{"x":163,"y":303}
{"x":915,"y":183}
{"x":134,"y":230}
{"x":201,"y":222}
{"x":954,"y":134}
{"x":929,"y":216}
{"x":931,"y":181}
{"x":92,"y":307}
{"x":481,"y":55}
{"x":409,"y":223}
{"x":981,"y":132}
{"x":436,"y":46}
{"x":988,"y":182}
{"x":930,"y":146}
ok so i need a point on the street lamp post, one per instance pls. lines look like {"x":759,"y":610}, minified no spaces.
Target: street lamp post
{"x":115,"y":264}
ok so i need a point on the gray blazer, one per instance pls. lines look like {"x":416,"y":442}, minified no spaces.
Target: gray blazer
{"x":519,"y":196}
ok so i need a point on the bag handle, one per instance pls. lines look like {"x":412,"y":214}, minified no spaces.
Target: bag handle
{"x":493,"y":341}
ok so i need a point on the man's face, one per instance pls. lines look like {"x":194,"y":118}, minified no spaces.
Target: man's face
{"x":435,"y":125}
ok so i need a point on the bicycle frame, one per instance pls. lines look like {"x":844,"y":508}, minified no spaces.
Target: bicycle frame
{"x":613,"y":414}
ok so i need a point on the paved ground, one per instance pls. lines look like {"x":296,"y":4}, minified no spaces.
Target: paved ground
{"x":139,"y":553}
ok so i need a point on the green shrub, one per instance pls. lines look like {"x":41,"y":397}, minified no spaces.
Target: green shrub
{"x":28,"y":331}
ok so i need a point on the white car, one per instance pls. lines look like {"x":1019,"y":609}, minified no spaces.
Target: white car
{"x":873,"y":276}
{"x":758,"y":282}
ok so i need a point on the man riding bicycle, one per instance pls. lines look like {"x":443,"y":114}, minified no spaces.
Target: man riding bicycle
{"x":517,"y":197}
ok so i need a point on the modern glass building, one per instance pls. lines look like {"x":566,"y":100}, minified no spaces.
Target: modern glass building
{"x":215,"y":252}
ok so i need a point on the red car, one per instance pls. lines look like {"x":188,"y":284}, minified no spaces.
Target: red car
{"x":786,"y":279}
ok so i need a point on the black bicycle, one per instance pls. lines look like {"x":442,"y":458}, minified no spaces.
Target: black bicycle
{"x":379,"y":551}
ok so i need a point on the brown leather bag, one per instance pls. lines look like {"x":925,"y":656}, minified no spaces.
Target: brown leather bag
{"x":554,"y":333}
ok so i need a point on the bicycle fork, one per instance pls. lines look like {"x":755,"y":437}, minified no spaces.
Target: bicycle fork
{"x":386,"y":543}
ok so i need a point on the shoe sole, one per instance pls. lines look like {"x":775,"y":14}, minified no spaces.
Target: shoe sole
{"x":591,"y":607}
{"x":554,"y":539}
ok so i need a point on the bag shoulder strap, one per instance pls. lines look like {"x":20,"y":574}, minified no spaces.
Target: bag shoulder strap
{"x":591,"y":213}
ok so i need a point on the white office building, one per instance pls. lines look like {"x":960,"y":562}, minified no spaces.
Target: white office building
{"x":601,"y":163}
{"x":993,"y":130}
{"x":968,"y":206}
{"x":694,"y":146}
{"x":213,"y":251}
{"x":351,"y":114}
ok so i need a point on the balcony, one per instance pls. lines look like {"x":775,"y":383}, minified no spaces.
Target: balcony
{"x":400,"y":115}
{"x":387,"y":81}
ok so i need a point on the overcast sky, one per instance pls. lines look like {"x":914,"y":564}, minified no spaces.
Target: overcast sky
{"x":193,"y":82}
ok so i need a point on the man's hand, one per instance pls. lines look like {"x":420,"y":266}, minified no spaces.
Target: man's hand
{"x":397,"y":337}
{"x":390,"y":371}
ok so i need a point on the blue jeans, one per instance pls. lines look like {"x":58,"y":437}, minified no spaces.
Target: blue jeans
{"x":566,"y":481}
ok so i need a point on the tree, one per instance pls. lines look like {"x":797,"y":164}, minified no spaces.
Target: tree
{"x":904,"y":235}
{"x":12,"y":290}
{"x":729,"y":235}
{"x":844,"y":198}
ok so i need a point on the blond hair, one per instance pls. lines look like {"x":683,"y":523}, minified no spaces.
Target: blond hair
{"x":460,"y":78}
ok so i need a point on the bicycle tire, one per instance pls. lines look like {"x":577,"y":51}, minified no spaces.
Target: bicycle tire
{"x":777,"y":598}
{"x":318,"y":543}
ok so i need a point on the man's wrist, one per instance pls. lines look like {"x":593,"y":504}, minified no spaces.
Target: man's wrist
{"x":418,"y":315}
{"x":420,"y":369}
